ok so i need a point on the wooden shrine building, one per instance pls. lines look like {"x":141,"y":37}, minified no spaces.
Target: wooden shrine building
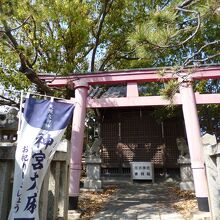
{"x":133,"y":134}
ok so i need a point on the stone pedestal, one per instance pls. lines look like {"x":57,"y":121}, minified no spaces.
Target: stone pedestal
{"x":186,"y":174}
{"x":93,"y":173}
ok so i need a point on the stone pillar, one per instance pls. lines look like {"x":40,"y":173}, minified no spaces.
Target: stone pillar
{"x":93,"y":173}
{"x":78,"y":125}
{"x":195,"y":144}
{"x":212,"y":162}
{"x":186,"y":174}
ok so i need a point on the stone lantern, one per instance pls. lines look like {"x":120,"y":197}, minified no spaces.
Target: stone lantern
{"x":8,"y":125}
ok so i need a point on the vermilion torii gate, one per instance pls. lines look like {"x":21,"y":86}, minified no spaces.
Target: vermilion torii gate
{"x":187,"y":98}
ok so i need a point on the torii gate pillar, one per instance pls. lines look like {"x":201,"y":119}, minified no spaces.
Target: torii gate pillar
{"x":195,"y":145}
{"x":78,"y":125}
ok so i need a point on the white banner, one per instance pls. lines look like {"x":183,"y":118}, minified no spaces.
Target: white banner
{"x":43,"y":125}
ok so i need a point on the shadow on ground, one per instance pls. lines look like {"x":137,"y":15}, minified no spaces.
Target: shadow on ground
{"x":139,"y":200}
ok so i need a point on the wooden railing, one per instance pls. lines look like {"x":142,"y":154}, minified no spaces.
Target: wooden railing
{"x":54,"y":192}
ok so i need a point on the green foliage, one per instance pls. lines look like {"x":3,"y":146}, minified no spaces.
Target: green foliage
{"x":209,"y":119}
{"x":207,"y":86}
{"x":51,"y":35}
{"x":165,"y":112}
{"x":150,"y":89}
{"x":15,"y":79}
{"x":59,"y":36}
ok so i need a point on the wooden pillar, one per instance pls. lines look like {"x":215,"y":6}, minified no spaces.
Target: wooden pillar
{"x":195,"y":144}
{"x":78,"y":125}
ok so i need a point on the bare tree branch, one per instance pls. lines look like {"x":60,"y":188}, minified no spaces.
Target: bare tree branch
{"x":127,"y":58}
{"x":190,"y":59}
{"x":205,"y":59}
{"x":197,"y":27}
{"x":22,"y":24}
{"x":165,"y":4}
{"x":2,"y":32}
{"x":106,"y":7}
{"x":186,"y":3}
{"x":36,"y":49}
{"x":16,"y":28}
{"x":7,"y":101}
{"x":105,"y":61}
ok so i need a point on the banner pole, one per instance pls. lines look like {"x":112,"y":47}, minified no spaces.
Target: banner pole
{"x":20,"y":114}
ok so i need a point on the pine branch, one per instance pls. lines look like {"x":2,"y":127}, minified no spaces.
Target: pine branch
{"x":182,"y":8}
{"x":187,"y":39}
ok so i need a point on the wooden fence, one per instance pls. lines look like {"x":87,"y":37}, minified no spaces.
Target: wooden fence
{"x":54,"y":192}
